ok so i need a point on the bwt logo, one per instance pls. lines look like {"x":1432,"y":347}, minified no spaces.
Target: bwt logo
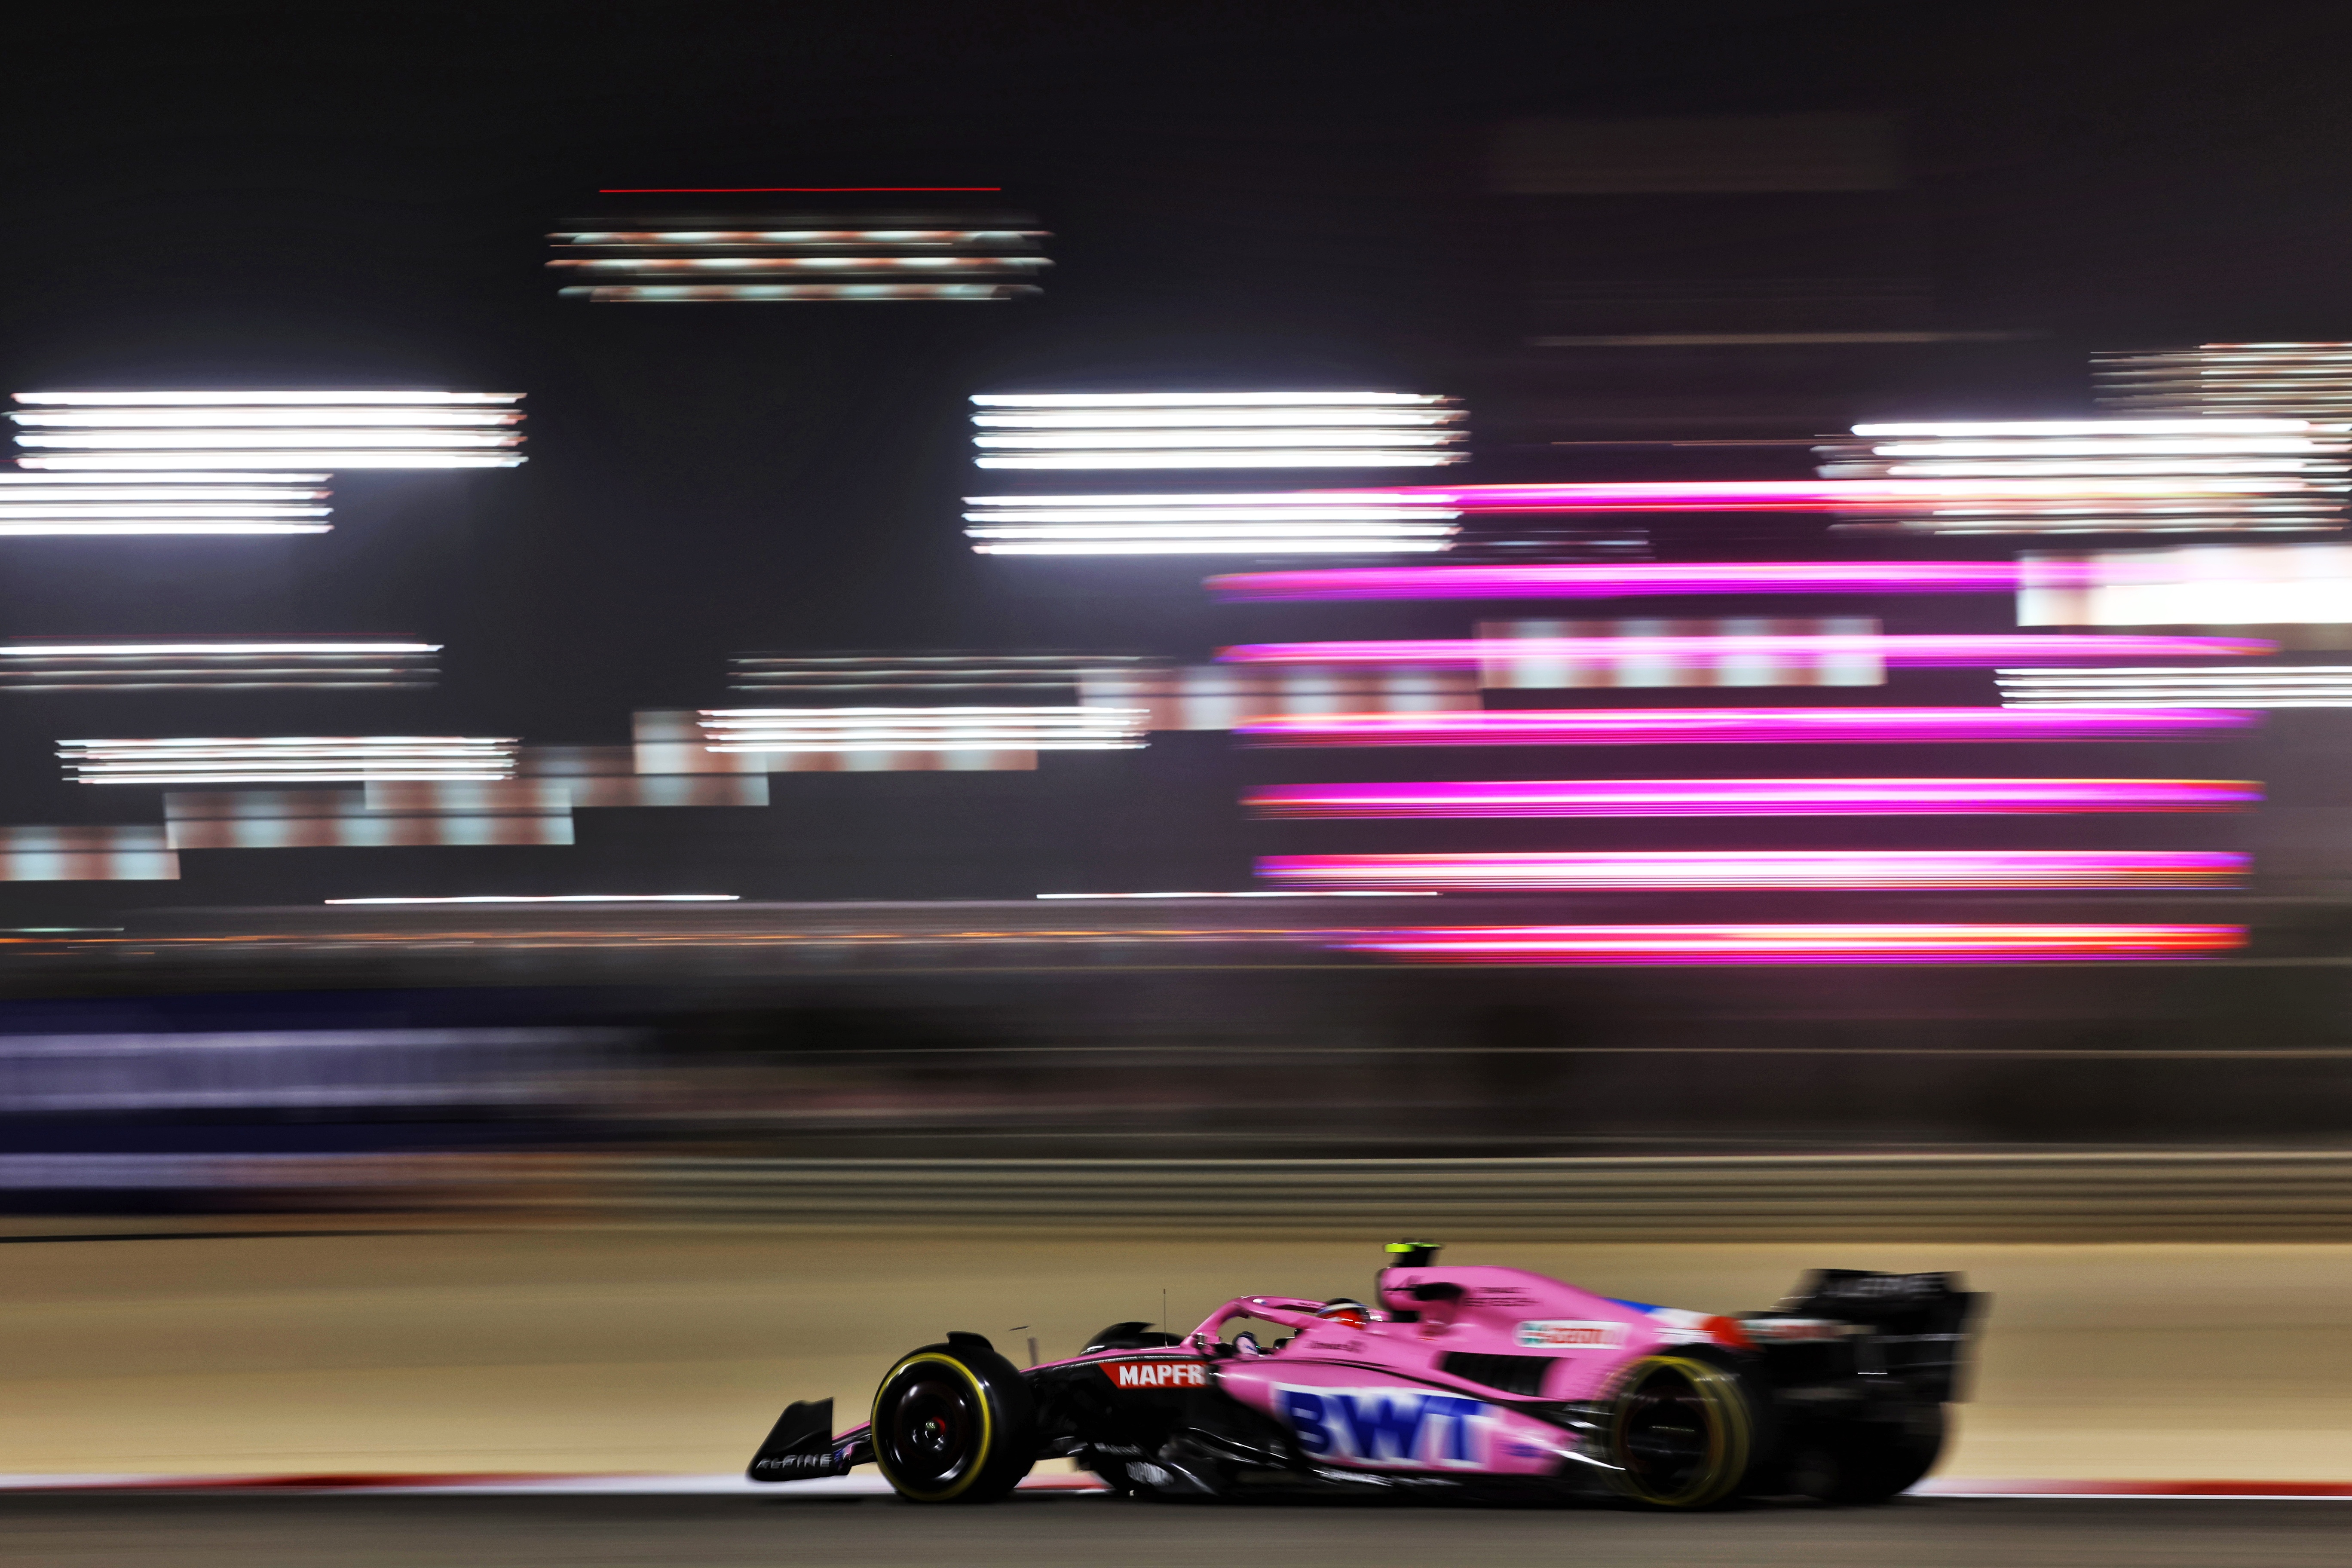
{"x":1388,"y":1426}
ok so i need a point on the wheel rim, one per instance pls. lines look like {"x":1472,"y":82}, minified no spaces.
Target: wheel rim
{"x":1680,"y":1436}
{"x":929,"y":1428}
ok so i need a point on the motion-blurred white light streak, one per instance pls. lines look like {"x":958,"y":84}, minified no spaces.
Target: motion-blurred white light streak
{"x":805,"y":263}
{"x":1254,"y":415}
{"x":1298,"y":516}
{"x":1216,"y":430}
{"x":1196,"y":399}
{"x":161,"y":487}
{"x":242,"y":417}
{"x":256,"y":430}
{"x":186,"y":665}
{"x":1964,"y":430}
{"x":33,"y":504}
{"x":1301,"y":522}
{"x":1270,"y":544}
{"x":115,"y":461}
{"x":558,"y":898}
{"x":1287,"y":436}
{"x":2157,"y":686}
{"x":2169,"y":476}
{"x":60,"y":529}
{"x":252,"y":511}
{"x":1154,"y":508}
{"x":232,"y":399}
{"x":608,"y":238}
{"x":1307,"y":529}
{"x":2103,"y":447}
{"x":2284,"y":379}
{"x":290,"y":439}
{"x":845,"y":293}
{"x":145,"y":649}
{"x":1317,"y":458}
{"x":287,"y":759}
{"x":1056,"y":729}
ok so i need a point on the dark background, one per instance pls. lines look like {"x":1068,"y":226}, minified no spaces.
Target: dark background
{"x":267,"y":194}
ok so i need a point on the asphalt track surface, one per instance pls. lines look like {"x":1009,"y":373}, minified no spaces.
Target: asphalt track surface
{"x":51,"y":1530}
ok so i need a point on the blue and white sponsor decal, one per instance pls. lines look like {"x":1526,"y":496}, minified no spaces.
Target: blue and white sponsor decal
{"x":1404,"y":1427}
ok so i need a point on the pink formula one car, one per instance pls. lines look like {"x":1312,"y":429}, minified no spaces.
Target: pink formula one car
{"x":1473,"y":1382}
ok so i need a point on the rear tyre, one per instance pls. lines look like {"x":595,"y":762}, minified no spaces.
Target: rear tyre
{"x":1681,"y":1432}
{"x":954,"y":1423}
{"x":1873,"y":1462}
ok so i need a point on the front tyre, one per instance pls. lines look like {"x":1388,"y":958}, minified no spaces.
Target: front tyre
{"x":1681,"y":1432}
{"x":954,"y":1423}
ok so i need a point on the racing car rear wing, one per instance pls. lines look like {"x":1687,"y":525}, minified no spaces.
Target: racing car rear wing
{"x":1914,"y":1327}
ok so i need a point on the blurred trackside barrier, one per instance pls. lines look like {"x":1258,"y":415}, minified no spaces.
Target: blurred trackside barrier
{"x":2173,"y":1195}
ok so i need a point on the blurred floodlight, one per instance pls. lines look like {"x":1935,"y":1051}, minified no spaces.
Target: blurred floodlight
{"x":392,"y":812}
{"x":1574,"y":655}
{"x":1221,"y":696}
{"x":287,"y":759}
{"x":1216,"y":430}
{"x":2203,"y":585}
{"x":137,"y":432}
{"x":119,"y":852}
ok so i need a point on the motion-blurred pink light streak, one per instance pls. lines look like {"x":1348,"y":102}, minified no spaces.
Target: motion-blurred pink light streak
{"x":1901,"y":650}
{"x":1831,"y":495}
{"x":1856,"y":869}
{"x":1749,"y":797}
{"x":1740,"y":726}
{"x":1746,"y":945}
{"x":1645,"y":579}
